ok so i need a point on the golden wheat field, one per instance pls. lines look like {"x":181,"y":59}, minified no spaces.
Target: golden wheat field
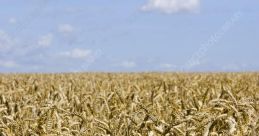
{"x":132,"y":104}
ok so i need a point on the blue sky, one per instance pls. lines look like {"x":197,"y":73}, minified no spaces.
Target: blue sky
{"x":133,"y":35}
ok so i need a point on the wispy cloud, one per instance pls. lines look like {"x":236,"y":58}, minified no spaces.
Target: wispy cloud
{"x":236,"y":66}
{"x":166,"y":65}
{"x":172,"y":6}
{"x":77,"y":54}
{"x":6,"y":42}
{"x":128,"y":64}
{"x":12,"y":20}
{"x":8,"y":64}
{"x":66,"y":29}
{"x":46,"y":40}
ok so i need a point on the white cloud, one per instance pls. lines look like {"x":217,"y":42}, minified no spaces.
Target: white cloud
{"x":172,"y":6}
{"x":6,"y":42}
{"x":77,"y":54}
{"x":66,"y":29}
{"x":46,"y":40}
{"x":234,"y":67}
{"x":12,"y":20}
{"x":8,"y":64}
{"x":128,"y":64}
{"x":166,"y":65}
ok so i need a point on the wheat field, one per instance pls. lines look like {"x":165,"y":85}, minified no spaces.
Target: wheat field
{"x":129,"y":104}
